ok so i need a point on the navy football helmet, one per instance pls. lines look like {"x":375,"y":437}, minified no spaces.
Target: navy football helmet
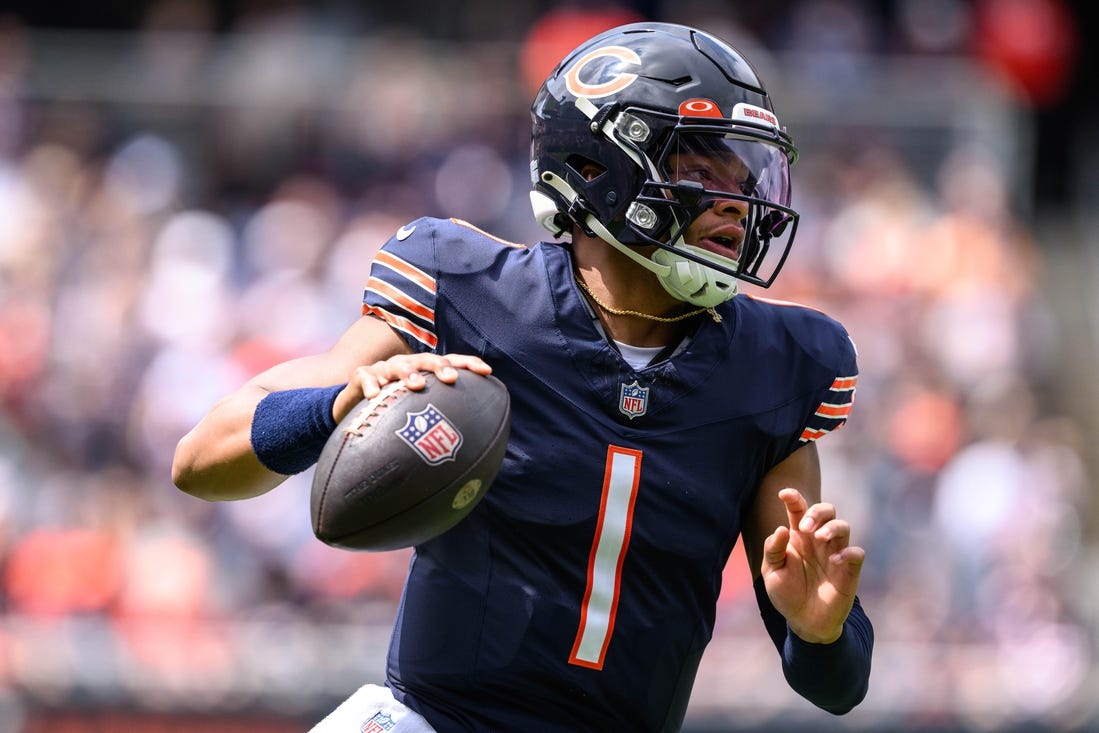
{"x":612,"y":126}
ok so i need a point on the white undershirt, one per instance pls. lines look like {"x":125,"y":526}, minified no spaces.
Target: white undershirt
{"x":638,"y":357}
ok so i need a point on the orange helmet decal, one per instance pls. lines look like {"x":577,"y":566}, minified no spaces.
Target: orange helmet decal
{"x":699,"y":108}
{"x":579,"y":88}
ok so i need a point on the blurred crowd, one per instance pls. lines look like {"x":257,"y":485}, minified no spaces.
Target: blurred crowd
{"x":211,"y":207}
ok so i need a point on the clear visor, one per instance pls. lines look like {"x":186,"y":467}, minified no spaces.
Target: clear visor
{"x":742,"y":167}
{"x":702,"y":168}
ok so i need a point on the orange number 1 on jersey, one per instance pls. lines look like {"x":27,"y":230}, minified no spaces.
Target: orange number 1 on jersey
{"x":608,"y":552}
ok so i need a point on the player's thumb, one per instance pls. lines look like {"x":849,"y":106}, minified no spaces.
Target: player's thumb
{"x":774,"y":549}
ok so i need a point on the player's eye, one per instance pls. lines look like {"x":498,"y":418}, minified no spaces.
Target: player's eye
{"x":699,"y":174}
{"x":710,"y":179}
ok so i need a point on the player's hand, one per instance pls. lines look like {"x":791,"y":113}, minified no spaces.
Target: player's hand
{"x":367,"y":381}
{"x":810,"y":570}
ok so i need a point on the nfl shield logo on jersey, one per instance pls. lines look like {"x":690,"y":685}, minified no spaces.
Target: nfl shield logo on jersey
{"x":432,"y":435}
{"x":379,"y":723}
{"x":633,"y":400}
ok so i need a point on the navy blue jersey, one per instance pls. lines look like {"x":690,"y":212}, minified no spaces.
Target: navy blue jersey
{"x":581,"y":592}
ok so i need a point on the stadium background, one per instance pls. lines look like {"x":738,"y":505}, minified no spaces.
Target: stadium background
{"x":191,"y":190}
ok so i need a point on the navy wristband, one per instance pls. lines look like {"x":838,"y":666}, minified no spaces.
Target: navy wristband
{"x":834,"y":677}
{"x":290,"y":427}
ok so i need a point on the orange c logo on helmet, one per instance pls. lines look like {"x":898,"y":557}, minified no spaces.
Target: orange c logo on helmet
{"x":619,"y":81}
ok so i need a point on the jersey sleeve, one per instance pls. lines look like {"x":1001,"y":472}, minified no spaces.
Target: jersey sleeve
{"x":402,"y":288}
{"x":833,"y":403}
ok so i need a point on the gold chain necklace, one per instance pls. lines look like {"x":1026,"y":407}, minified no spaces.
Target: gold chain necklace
{"x":638,"y":314}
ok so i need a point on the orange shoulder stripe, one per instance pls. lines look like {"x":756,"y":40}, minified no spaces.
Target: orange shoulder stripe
{"x":398,"y":265}
{"x":399,"y":298}
{"x":844,"y":383}
{"x":403,"y":324}
{"x":827,"y":409}
{"x":812,"y":433}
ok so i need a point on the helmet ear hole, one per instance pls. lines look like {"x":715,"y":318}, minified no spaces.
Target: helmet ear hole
{"x":586,"y":168}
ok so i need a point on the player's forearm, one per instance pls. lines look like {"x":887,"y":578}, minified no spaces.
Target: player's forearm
{"x":834,"y":677}
{"x":215,"y":460}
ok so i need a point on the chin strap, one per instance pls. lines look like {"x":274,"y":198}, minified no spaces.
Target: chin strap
{"x":693,"y":281}
{"x":561,"y":186}
{"x":687,"y":280}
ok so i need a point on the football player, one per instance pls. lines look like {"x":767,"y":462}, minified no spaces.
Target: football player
{"x":657,"y":416}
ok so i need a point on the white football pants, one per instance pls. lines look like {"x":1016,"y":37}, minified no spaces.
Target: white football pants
{"x":372,"y":709}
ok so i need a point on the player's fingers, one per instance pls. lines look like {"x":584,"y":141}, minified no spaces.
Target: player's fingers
{"x":848,"y":565}
{"x":796,"y":506}
{"x":834,"y":530}
{"x":445,"y":368}
{"x":410,"y":369}
{"x":817,"y":516}
{"x":370,"y":380}
{"x":774,"y":549}
{"x":833,"y":537}
{"x":470,"y":362}
{"x":346,"y":400}
{"x":850,"y":555}
{"x":373,"y":377}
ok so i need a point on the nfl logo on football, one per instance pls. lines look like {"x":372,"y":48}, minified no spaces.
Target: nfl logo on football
{"x":378,"y":724}
{"x":431,"y":435}
{"x":633,"y":400}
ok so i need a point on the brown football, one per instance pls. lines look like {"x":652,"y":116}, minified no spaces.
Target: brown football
{"x":406,"y":466}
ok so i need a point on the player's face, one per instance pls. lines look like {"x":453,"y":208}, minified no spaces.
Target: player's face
{"x":720,"y":227}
